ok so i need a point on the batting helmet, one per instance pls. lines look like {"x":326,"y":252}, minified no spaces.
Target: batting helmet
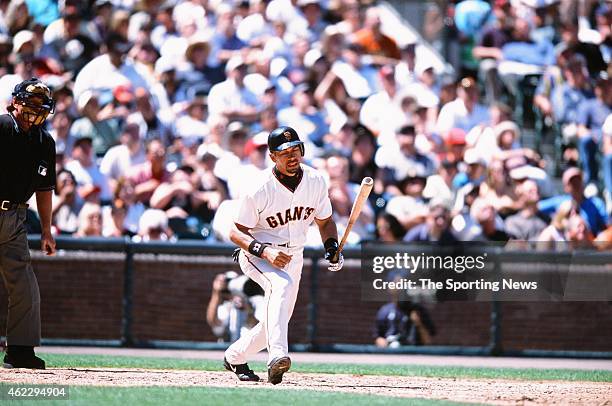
{"x":36,"y":99}
{"x":283,"y":138}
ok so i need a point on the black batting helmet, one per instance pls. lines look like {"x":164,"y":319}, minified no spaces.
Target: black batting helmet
{"x":36,"y":98}
{"x":283,"y":138}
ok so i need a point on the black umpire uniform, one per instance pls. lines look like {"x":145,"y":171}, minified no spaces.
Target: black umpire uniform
{"x":27,"y":165}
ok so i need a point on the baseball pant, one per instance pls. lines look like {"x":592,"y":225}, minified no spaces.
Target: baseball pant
{"x":23,"y":322}
{"x":281,"y":288}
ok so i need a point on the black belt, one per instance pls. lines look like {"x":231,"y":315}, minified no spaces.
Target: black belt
{"x":8,"y":205}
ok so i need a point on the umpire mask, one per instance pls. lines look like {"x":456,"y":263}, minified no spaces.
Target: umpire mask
{"x":35,"y":97}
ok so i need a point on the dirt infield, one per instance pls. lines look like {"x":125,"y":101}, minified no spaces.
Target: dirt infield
{"x":491,"y":391}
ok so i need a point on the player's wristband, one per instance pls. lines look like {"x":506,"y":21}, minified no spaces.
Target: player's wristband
{"x":256,"y":248}
{"x":330,"y":243}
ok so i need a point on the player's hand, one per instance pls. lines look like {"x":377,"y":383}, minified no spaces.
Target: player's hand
{"x":336,"y":266}
{"x":47,"y":243}
{"x":276,"y":257}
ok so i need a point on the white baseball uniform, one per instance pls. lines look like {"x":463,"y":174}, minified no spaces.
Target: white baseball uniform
{"x":276,"y":215}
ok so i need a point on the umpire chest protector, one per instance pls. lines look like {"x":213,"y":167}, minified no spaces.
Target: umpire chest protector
{"x":27,"y":161}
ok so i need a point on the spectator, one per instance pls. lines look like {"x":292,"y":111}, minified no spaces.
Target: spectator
{"x":174,"y":196}
{"x":60,"y":131}
{"x":66,"y":204}
{"x":306,"y":119}
{"x":380,"y":112}
{"x":436,"y":228}
{"x":90,"y":221}
{"x":371,"y":38}
{"x":553,"y":237}
{"x":491,"y":224}
{"x":498,"y":189}
{"x":231,"y":98}
{"x":592,"y":209}
{"x":464,"y":112}
{"x":69,"y":41}
{"x":147,"y":115}
{"x":148,"y":175}
{"x":342,"y":194}
{"x":198,"y":74}
{"x":474,"y":171}
{"x":440,"y":185}
{"x":226,"y":43}
{"x":92,"y":185}
{"x":230,"y":311}
{"x":233,"y":154}
{"x":361,"y":162}
{"x":123,"y":216}
{"x":210,"y":190}
{"x":389,"y":229}
{"x":111,"y":69}
{"x":528,"y":223}
{"x":405,"y":70}
{"x":494,"y":36}
{"x":397,"y":162}
{"x":590,"y":52}
{"x":102,"y":132}
{"x":591,"y":116}
{"x":567,"y":97}
{"x":517,"y":57}
{"x":311,"y":14}
{"x":401,"y":322}
{"x":578,"y":234}
{"x":118,"y":160}
{"x":153,"y":226}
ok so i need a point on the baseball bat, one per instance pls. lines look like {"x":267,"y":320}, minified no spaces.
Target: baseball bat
{"x":364,"y":192}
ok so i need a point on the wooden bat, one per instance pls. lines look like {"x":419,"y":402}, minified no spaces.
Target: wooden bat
{"x":364,"y":192}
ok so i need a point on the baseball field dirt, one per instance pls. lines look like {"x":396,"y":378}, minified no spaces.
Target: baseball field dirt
{"x":489,"y":391}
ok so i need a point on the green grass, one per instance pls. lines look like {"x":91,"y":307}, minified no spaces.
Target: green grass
{"x":96,"y":395}
{"x":105,"y":361}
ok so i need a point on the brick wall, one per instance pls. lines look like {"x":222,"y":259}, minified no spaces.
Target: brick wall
{"x":82,"y":298}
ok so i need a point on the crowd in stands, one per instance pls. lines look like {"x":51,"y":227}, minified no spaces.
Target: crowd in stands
{"x":164,"y":106}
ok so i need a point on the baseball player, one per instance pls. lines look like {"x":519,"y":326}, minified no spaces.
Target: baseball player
{"x":270,"y":229}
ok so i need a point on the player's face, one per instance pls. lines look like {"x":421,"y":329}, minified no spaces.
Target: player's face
{"x":288,"y":161}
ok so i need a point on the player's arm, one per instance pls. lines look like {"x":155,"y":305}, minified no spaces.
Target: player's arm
{"x":241,"y":236}
{"x":43,"y":203}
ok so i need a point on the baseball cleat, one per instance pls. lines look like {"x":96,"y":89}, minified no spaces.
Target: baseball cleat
{"x":242,"y":371}
{"x":277,"y":368}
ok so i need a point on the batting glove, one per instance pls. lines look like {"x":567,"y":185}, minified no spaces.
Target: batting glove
{"x":336,"y":266}
{"x":331,"y":247}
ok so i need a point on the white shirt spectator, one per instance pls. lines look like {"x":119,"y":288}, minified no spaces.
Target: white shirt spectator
{"x":454,"y":114}
{"x":118,"y":160}
{"x":391,"y":157}
{"x":227,"y":95}
{"x":382,"y":115}
{"x":253,"y":27}
{"x":90,"y":176}
{"x":100,"y":74}
{"x":359,"y":83}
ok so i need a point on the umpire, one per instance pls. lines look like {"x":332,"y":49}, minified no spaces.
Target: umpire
{"x":27,"y":166}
